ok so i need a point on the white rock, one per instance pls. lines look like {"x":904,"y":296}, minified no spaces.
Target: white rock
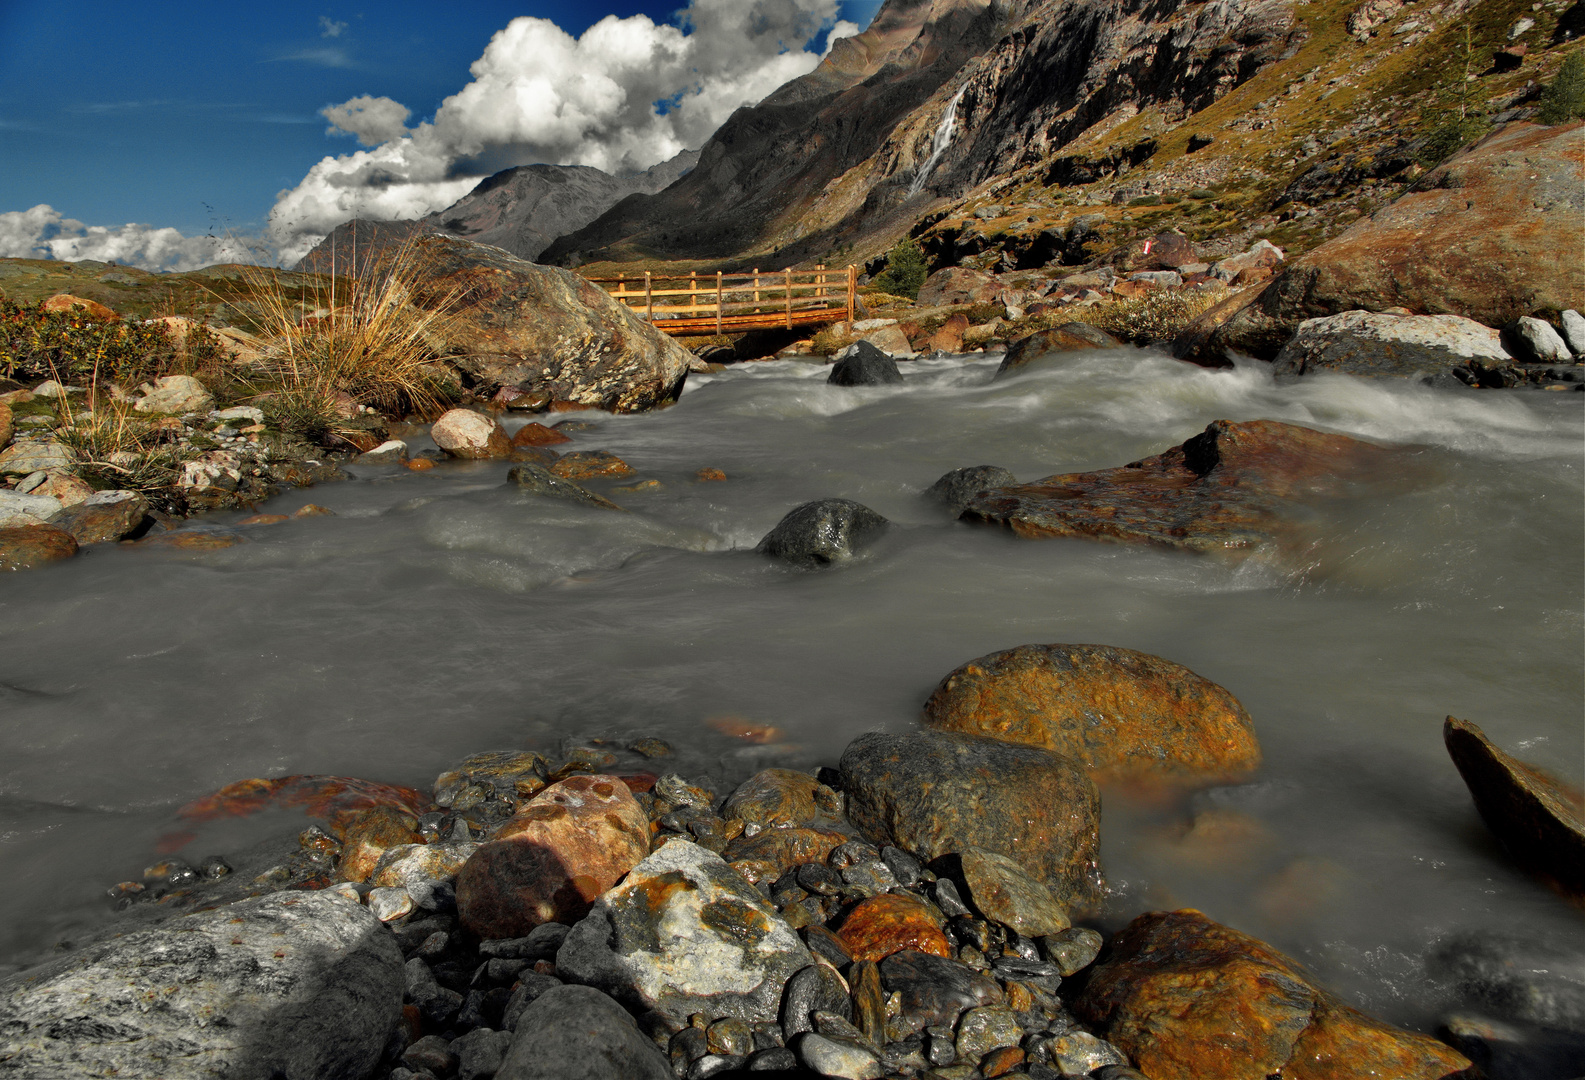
{"x":864,"y":326}
{"x":109,"y":498}
{"x":176,"y":394}
{"x":49,"y":388}
{"x":239,"y":412}
{"x":1574,"y":331}
{"x":1370,"y":343}
{"x":890,"y":339}
{"x":24,"y":458}
{"x":464,"y":433}
{"x":1543,"y":343}
{"x":19,"y":509}
{"x":390,"y":904}
{"x":390,"y":452}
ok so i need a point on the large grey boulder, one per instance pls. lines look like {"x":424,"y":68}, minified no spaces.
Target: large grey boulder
{"x":957,"y":487}
{"x":577,"y":1033}
{"x":1573,"y":324}
{"x":685,"y":933}
{"x":1422,"y":347}
{"x":545,"y":330}
{"x":822,"y":532}
{"x":290,"y":986}
{"x":1534,"y":340}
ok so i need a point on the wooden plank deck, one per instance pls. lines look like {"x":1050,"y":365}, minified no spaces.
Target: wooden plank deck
{"x":760,"y":299}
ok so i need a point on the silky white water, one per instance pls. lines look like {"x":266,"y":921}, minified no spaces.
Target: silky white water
{"x":442,"y":613}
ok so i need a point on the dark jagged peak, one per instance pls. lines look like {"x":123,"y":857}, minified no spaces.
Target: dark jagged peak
{"x":521,"y":209}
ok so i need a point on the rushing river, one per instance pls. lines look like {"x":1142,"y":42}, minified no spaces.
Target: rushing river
{"x":442,"y":613}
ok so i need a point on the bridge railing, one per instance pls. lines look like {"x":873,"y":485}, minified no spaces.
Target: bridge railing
{"x":698,"y":303}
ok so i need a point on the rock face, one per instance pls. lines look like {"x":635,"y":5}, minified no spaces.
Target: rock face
{"x":176,"y":394}
{"x":957,"y":487}
{"x":463,"y":433}
{"x":1187,"y":998}
{"x":862,"y":364}
{"x":935,"y":793}
{"x":1501,"y":219}
{"x":1069,"y":337}
{"x":823,"y":532}
{"x":1120,"y":712}
{"x":1226,"y":489}
{"x":1426,"y":348}
{"x":544,"y":330}
{"x":549,"y":863}
{"x":26,"y":546}
{"x":1539,"y":820}
{"x":577,"y":1033}
{"x":684,"y":934}
{"x":299,"y":985}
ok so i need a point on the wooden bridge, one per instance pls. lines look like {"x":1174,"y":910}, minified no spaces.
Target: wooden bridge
{"x":697,"y":304}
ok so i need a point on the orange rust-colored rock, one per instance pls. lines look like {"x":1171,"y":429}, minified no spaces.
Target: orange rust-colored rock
{"x":472,"y":436}
{"x":420,"y":465}
{"x":554,"y":858}
{"x":371,"y":834}
{"x":949,"y":338}
{"x":336,"y":799}
{"x":1001,"y":1062}
{"x":192,"y":540}
{"x":590,"y":465}
{"x":78,"y":305}
{"x":264,"y":519}
{"x":886,"y":924}
{"x":27,"y":546}
{"x":737,"y":727}
{"x":538,"y":435}
{"x":1122,"y":713}
{"x":707,"y":475}
{"x":781,"y":797}
{"x":1187,"y":998}
{"x":1228,"y":489}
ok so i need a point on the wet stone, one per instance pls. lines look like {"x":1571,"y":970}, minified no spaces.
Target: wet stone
{"x":1001,"y":1062}
{"x":984,"y":1029}
{"x":869,"y":1006}
{"x":714,"y":1065}
{"x":730,"y":1035}
{"x":1004,"y":892}
{"x":935,"y":990}
{"x":773,"y":1059}
{"x":687,"y":1046}
{"x":823,"y":532}
{"x":828,"y":945}
{"x":480,"y":1053}
{"x":1078,"y":1053}
{"x":882,"y":925}
{"x":816,"y":988}
{"x":431,"y":1054}
{"x":577,"y":1033}
{"x":537,"y":480}
{"x":650,"y":747}
{"x":388,"y":905}
{"x":1073,"y":950}
{"x":828,"y":1057}
{"x":957,"y":487}
{"x":590,"y":465}
{"x":904,"y":867}
{"x":781,"y":797}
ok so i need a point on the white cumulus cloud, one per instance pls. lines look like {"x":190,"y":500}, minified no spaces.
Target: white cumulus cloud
{"x":625,"y":95}
{"x":842,"y":29}
{"x":44,"y":233}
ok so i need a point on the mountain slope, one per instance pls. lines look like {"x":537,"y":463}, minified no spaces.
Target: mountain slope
{"x":521,"y":209}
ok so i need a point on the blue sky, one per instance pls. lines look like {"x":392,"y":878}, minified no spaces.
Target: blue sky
{"x":195,"y":116}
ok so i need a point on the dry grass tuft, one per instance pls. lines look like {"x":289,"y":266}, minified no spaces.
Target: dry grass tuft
{"x":1156,"y":316}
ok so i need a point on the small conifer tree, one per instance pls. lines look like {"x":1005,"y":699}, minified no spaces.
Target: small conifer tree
{"x":905,"y":271}
{"x":1564,"y":97}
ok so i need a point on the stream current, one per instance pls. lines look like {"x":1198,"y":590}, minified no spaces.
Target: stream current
{"x":442,"y":613}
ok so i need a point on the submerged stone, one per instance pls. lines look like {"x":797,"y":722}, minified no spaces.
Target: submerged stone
{"x":537,"y":480}
{"x":862,"y":364}
{"x":823,"y":532}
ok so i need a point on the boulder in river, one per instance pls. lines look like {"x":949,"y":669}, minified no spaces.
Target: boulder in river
{"x":549,"y":863}
{"x":864,"y":364}
{"x":932,"y":793}
{"x":1491,"y":235}
{"x":534,"y":434}
{"x":823,"y":532}
{"x":590,"y":465}
{"x":957,"y":487}
{"x":1539,"y":820}
{"x":577,"y":1033}
{"x":295,"y":985}
{"x":1226,"y":489}
{"x":23,"y":547}
{"x":538,"y":480}
{"x":1067,"y":338}
{"x":1426,"y":348}
{"x":1120,"y":712}
{"x":463,"y":433}
{"x":546,"y":330}
{"x":1187,"y":998}
{"x":684,"y":933}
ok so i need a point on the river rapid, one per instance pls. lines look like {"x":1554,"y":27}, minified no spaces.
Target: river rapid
{"x":443,"y":613}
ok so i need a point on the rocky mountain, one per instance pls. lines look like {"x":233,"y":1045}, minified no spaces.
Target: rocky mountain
{"x":521,"y":210}
{"x":990,"y":128}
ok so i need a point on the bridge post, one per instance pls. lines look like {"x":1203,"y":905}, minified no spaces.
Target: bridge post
{"x":756,"y":284}
{"x":649,"y":298}
{"x":853,"y":288}
{"x":789,"y":298}
{"x":718,"y":298}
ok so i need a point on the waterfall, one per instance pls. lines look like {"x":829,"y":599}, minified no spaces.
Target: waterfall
{"x":939,"y":144}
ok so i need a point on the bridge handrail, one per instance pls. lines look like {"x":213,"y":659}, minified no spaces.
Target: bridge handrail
{"x":805,"y":292}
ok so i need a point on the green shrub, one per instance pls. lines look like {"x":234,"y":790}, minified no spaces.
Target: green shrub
{"x":1145,"y":200}
{"x":1447,"y":140}
{"x":37,"y":344}
{"x":1564,"y":97}
{"x":905,"y":271}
